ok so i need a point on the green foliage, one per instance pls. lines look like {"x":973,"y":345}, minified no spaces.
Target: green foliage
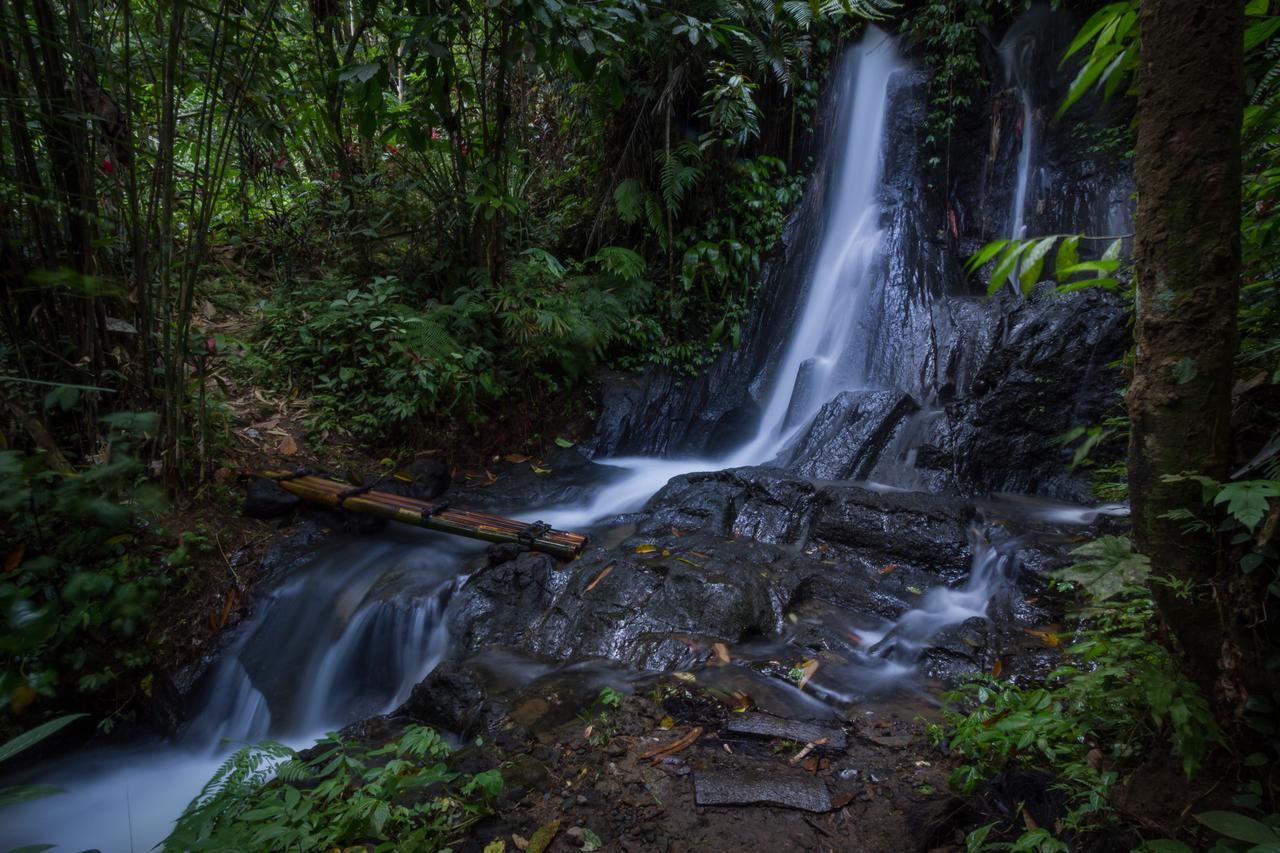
{"x":1246,"y":503}
{"x":1110,"y":567}
{"x":1111,"y":34}
{"x":953,"y":32}
{"x":1118,"y":696}
{"x":82,"y":574}
{"x":14,"y":794}
{"x":1023,"y":262}
{"x":398,"y":796}
{"x":600,"y":720}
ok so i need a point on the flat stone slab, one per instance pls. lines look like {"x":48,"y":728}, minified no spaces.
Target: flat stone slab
{"x":767,"y":725}
{"x":746,"y":787}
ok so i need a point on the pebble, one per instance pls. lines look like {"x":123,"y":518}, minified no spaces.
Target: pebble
{"x":575,"y":836}
{"x":848,"y":773}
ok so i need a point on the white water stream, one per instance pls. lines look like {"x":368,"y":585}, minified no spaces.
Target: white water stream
{"x":289,"y":672}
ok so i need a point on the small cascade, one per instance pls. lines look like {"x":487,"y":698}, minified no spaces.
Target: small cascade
{"x":994,"y":564}
{"x":1018,"y":54}
{"x":347,"y":636}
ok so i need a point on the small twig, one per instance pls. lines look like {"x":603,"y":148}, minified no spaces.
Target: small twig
{"x":808,"y":748}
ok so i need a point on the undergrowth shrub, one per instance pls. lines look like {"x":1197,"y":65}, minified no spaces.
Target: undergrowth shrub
{"x":374,"y":362}
{"x":83,"y":569}
{"x":401,"y":796}
{"x":1118,"y":697}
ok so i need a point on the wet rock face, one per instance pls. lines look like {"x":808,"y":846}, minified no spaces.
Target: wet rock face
{"x":722,"y":557}
{"x":850,"y":434}
{"x":1050,"y":371}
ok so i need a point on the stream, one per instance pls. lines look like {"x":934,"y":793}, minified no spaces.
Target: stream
{"x":822,"y":491}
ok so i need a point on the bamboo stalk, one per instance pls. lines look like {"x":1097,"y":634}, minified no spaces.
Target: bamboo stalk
{"x":438,"y":516}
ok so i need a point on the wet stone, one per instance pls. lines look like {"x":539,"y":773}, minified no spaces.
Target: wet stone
{"x":767,"y":725}
{"x":746,"y":787}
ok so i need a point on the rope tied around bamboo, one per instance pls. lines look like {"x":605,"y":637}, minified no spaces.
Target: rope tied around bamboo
{"x":367,"y":500}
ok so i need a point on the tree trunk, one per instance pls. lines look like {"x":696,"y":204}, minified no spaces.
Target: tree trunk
{"x":1190,"y":103}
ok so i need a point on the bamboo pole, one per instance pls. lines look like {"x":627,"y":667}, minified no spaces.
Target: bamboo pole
{"x":437,"y":516}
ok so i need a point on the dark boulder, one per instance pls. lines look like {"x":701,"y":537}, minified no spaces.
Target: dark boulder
{"x":265,"y":498}
{"x":452,"y":699}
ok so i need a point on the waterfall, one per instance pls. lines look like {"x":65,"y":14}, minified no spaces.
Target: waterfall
{"x":1018,"y":51}
{"x":819,"y":362}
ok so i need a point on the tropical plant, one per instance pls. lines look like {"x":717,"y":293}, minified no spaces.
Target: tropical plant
{"x":398,"y":796}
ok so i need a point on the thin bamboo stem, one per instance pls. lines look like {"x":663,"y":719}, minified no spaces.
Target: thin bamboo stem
{"x":437,"y":516}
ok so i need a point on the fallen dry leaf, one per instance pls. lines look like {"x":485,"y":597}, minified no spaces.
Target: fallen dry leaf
{"x":603,"y":574}
{"x":892,"y":567}
{"x":721,"y":652}
{"x":542,"y":839}
{"x":515,"y":458}
{"x":1049,"y":638}
{"x":809,"y":667}
{"x":675,"y":746}
{"x":288,"y":446}
{"x":14,"y":557}
{"x":226,"y":608}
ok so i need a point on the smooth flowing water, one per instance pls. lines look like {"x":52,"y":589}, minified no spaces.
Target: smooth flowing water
{"x":348,"y":635}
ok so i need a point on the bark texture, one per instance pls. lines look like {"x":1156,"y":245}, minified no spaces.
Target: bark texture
{"x":1190,"y":102}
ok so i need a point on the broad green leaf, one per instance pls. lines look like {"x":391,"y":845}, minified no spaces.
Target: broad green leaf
{"x":1235,"y":825}
{"x":1246,"y":500}
{"x":1068,"y":256}
{"x":1101,"y":18}
{"x":1110,"y":565}
{"x":359,"y":73}
{"x":1088,"y":75}
{"x":26,"y":793}
{"x":34,"y":736}
{"x":1004,"y":269}
{"x":985,"y":254}
{"x":1165,"y":845}
{"x":1033,"y":263}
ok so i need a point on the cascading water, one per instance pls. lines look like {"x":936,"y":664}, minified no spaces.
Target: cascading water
{"x":347,"y":636}
{"x":1017,"y":51}
{"x":817,"y":364}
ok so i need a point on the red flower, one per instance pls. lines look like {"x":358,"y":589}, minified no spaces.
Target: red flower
{"x":336,"y":175}
{"x":107,"y":165}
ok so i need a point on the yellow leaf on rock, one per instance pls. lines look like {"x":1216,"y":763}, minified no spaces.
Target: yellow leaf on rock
{"x":809,"y":667}
{"x":1049,"y":638}
{"x":646,"y":549}
{"x":666,"y":722}
{"x":542,"y":839}
{"x":20,"y":698}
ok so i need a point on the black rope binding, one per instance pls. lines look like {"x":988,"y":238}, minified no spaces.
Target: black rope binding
{"x":443,"y":506}
{"x":533,"y":532}
{"x":356,"y":491}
